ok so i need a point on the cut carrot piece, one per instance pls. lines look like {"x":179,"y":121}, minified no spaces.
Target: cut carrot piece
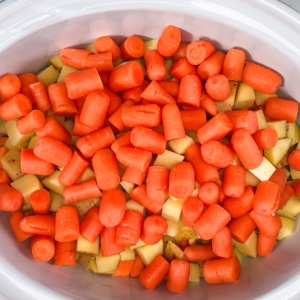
{"x":11,"y":200}
{"x":65,"y":254}
{"x":40,"y":202}
{"x":193,"y":119}
{"x":73,"y":56}
{"x":133,"y":47}
{"x":222,"y":243}
{"x":234,"y":181}
{"x":14,"y":221}
{"x":123,"y":269}
{"x":233,"y":64}
{"x":108,"y":245}
{"x":198,"y":51}
{"x":33,"y":120}
{"x":10,"y":86}
{"x":192,"y":209}
{"x":106,"y":44}
{"x":155,"y":66}
{"x":42,"y":248}
{"x":38,"y":224}
{"x":182,"y":67}
{"x":178,"y":276}
{"x":169,"y":41}
{"x":170,"y":86}
{"x":102,"y":62}
{"x":218,"y":87}
{"x":209,"y":193}
{"x":189,"y":91}
{"x":40,"y":96}
{"x":199,"y":252}
{"x":26,"y":80}
{"x":137,"y":267}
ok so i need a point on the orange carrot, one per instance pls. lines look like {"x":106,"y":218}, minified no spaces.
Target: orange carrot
{"x":3,"y":140}
{"x":217,"y":87}
{"x":279,"y":177}
{"x":112,"y":208}
{"x":209,"y":193}
{"x":31,"y":164}
{"x":170,"y":86}
{"x":189,"y":91}
{"x":122,"y":141}
{"x":208,"y":104}
{"x":222,"y":270}
{"x":10,"y":86}
{"x":169,"y":41}
{"x":53,"y":151}
{"x":91,"y":226}
{"x":192,"y":209}
{"x":222,"y":243}
{"x":14,"y":221}
{"x":153,"y":229}
{"x":42,"y":248}
{"x":193,"y":119}
{"x":129,"y":229}
{"x":178,"y":276}
{"x":40,"y":96}
{"x":294,"y":159}
{"x":155,"y":66}
{"x":102,"y":62}
{"x":199,"y":252}
{"x":180,"y":52}
{"x":265,"y":245}
{"x":115,"y":101}
{"x":233,"y":64}
{"x":104,"y":78}
{"x":182,"y":67}
{"x":92,"y":142}
{"x":234,"y":181}
{"x":94,"y":109}
{"x":285,"y":196}
{"x":134,"y":93}
{"x":154,"y":273}
{"x":215,"y":129}
{"x":106,"y":44}
{"x":123,"y":269}
{"x":211,"y":65}
{"x":134,"y":175}
{"x":212,"y":221}
{"x":138,"y":266}
{"x":4,"y":177}
{"x":181,"y":180}
{"x":107,"y":241}
{"x":11,"y":200}
{"x":26,"y":80}
{"x":40,"y":202}
{"x":73,"y":56}
{"x":198,"y":51}
{"x":38,"y":224}
{"x":133,"y":47}
{"x":261,"y":78}
{"x":217,"y":154}
{"x":3,"y":151}
{"x":15,"y":107}
{"x":66,"y":224}
{"x":126,"y":76}
{"x":246,"y":149}
{"x":33,"y":120}
{"x":266,"y":198}
{"x":295,"y":185}
{"x":65,"y":254}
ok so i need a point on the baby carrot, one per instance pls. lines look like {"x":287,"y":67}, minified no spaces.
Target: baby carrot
{"x":294,"y":159}
{"x":153,"y":229}
{"x":26,"y":80}
{"x":209,"y":193}
{"x":81,"y":191}
{"x":233,"y":64}
{"x":198,"y":51}
{"x":181,"y":180}
{"x":66,"y":224}
{"x":94,"y":109}
{"x":108,"y":242}
{"x":234,"y":181}
{"x":170,"y":86}
{"x":279,"y":177}
{"x":215,"y":129}
{"x":40,"y":96}
{"x":208,"y":104}
{"x":265,"y":245}
{"x":106,"y":44}
{"x":102,"y":62}
{"x":217,"y":154}
{"x":133,"y":47}
{"x":154,"y":273}
{"x":138,"y":266}
{"x":3,"y":151}
{"x":246,"y":149}
{"x":129,"y":229}
{"x":11,"y":200}
{"x":295,"y":185}
{"x":192,"y":209}
{"x":40,"y":202}
{"x":53,"y":151}
{"x":42,"y":248}
{"x":38,"y":224}
{"x":91,"y":226}
{"x":15,"y":107}
{"x":14,"y":221}
{"x":31,"y":164}
{"x":193,"y":119}
{"x":65,"y":254}
{"x":123,"y":269}
{"x":4,"y":177}
{"x":261,"y":78}
{"x":134,"y":93}
{"x":199,"y":252}
{"x":285,"y":196}
{"x":155,"y":66}
{"x":180,"y":52}
{"x":112,"y":208}
{"x":169,"y":41}
{"x":212,"y":221}
{"x":178,"y":276}
{"x":222,"y":243}
{"x":217,"y":87}
{"x":134,"y":175}
{"x":10,"y":86}
{"x":33,"y":120}
{"x":182,"y":67}
{"x":73,"y":56}
{"x":115,"y":100}
{"x":122,"y":141}
{"x":92,"y":142}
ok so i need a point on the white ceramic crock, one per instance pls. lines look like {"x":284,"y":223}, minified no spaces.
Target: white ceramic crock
{"x":31,"y":31}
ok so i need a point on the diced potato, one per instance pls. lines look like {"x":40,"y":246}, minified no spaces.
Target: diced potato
{"x":56,"y":201}
{"x":87,"y":175}
{"x":282,"y":213}
{"x":11,"y":163}
{"x":59,"y":119}
{"x":185,"y":233}
{"x":287,"y":172}
{"x":172,"y":209}
{"x":128,"y":254}
{"x":48,"y":75}
{"x":264,"y":171}
{"x":201,"y":263}
{"x":286,"y":229}
{"x":192,"y":134}
{"x":93,"y":266}
{"x":262,"y":123}
{"x":172,"y":251}
{"x":127,"y":186}
{"x":261,"y":98}
{"x":238,"y":254}
{"x":249,"y":247}
{"x":245,"y":97}
{"x":118,"y":62}
{"x":275,"y":154}
{"x":52,"y":183}
{"x":86,"y":247}
{"x":168,"y":159}
{"x":90,"y":47}
{"x":66,"y":70}
{"x":295,"y":174}
{"x":107,"y":264}
{"x":251,"y":179}
{"x":139,"y":243}
{"x":283,"y":162}
{"x":84,"y":205}
{"x":142,"y":64}
{"x":2,"y":127}
{"x":26,"y":185}
{"x":195,"y":240}
{"x":293,"y":132}
{"x":236,"y":161}
{"x":148,"y":252}
{"x":292,"y":206}
{"x":227,"y":104}
{"x":174,"y":227}
{"x":69,"y":125}
{"x":179,"y":146}
{"x":279,"y":126}
{"x":56,"y":62}
{"x":151,"y":44}
{"x":32,"y":142}
{"x":168,"y":63}
{"x":195,"y":192}
{"x":133,"y":205}
{"x":14,"y":135}
{"x":84,"y":260}
{"x":194,"y":272}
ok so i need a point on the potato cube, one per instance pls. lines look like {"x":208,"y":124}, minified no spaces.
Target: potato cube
{"x":275,"y":154}
{"x":151,"y":44}
{"x":107,"y":264}
{"x":11,"y":163}
{"x":295,"y":174}
{"x":261,"y":98}
{"x":172,"y":209}
{"x":32,"y":142}
{"x":128,"y":254}
{"x":174,"y":227}
{"x":66,"y":70}
{"x":293,"y":132}
{"x":48,"y":75}
{"x":179,"y":146}
{"x":264,"y":171}
{"x":251,"y":179}
{"x":249,"y":247}
{"x":90,"y":47}
{"x":127,"y":186}
{"x":132,"y":205}
{"x":172,"y":251}
{"x":168,"y":159}
{"x":286,"y":229}
{"x":279,"y":126}
{"x":87,"y":175}
{"x":56,"y":62}
{"x":262,"y":123}
{"x":56,"y":201}
{"x":148,"y":252}
{"x":227,"y":104}
{"x":292,"y":206}
{"x":245,"y":97}
{"x":194,"y":272}
{"x":52,"y":183}
{"x":139,"y":243}
{"x":84,"y":205}
{"x":86,"y":247}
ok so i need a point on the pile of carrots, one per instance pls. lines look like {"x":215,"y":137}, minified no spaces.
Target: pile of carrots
{"x":123,"y":117}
